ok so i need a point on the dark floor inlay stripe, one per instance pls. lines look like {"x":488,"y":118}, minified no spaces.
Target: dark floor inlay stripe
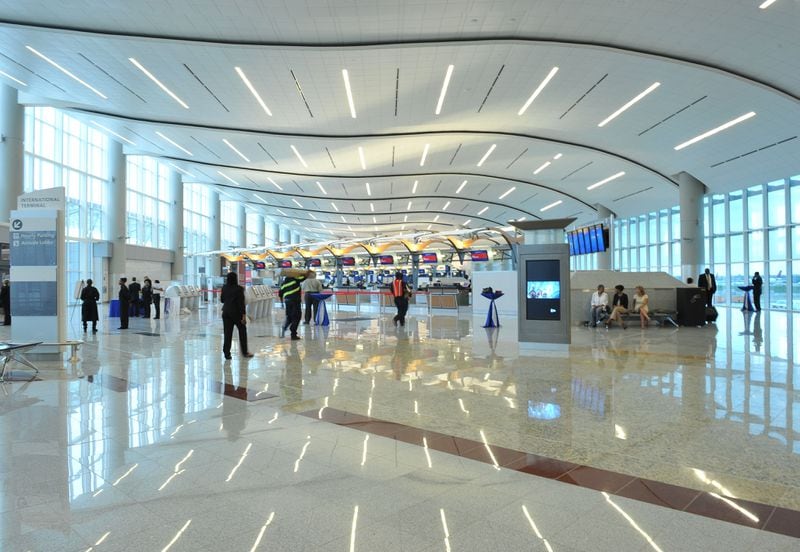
{"x":243,"y":393}
{"x":734,"y":510}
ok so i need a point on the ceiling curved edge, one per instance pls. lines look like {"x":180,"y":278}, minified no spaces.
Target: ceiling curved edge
{"x":418,"y":42}
{"x":394,"y":175}
{"x":491,"y":222}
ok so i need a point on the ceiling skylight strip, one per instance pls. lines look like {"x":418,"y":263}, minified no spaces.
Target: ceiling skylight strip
{"x":158,"y":82}
{"x":629,"y":104}
{"x":67,"y":72}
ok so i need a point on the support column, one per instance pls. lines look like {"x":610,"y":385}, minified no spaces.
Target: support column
{"x":260,"y":233}
{"x":117,"y":214}
{"x":295,"y":238}
{"x":691,"y":212}
{"x":605,"y":258}
{"x":241,"y":226}
{"x":176,"y":225}
{"x":273,"y":234}
{"x":213,"y":232}
{"x":12,"y":130}
{"x":286,"y":235}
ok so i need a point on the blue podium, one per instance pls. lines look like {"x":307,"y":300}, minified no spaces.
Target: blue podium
{"x":113,"y":309}
{"x":748,"y":303}
{"x":321,"y":318}
{"x":492,"y":319}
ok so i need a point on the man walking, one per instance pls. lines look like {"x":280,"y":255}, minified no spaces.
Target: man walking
{"x":289,"y":292}
{"x":124,"y":303}
{"x":134,"y":288}
{"x":707,"y":282}
{"x":310,"y":286}
{"x":401,"y":293}
{"x":758,"y":286}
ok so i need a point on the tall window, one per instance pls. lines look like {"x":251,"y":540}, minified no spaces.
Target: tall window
{"x":229,"y":224}
{"x":196,"y":225}
{"x":649,"y":242}
{"x":255,"y":235}
{"x":148,"y":205}
{"x":62,"y":151}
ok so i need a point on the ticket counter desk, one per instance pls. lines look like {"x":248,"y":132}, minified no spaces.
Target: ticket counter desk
{"x":448,"y":297}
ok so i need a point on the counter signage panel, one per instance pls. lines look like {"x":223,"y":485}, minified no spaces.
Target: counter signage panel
{"x":429,"y":258}
{"x":315,"y":262}
{"x":386,"y":260}
{"x":286,"y":263}
{"x":480,"y":255}
{"x":259,"y":265}
{"x":348,"y":261}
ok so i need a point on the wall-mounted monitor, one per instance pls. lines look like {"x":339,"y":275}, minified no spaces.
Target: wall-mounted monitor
{"x":430,"y":258}
{"x":590,"y":239}
{"x":348,"y":261}
{"x":315,"y":262}
{"x":259,"y":265}
{"x":543,"y":290}
{"x":386,"y":260}
{"x":285,"y":263}
{"x":479,"y":255}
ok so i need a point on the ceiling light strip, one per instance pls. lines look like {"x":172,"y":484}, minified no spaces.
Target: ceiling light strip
{"x":335,"y":208}
{"x":239,"y":153}
{"x":548,"y":207}
{"x":713,"y":131}
{"x":487,"y":154}
{"x":158,"y":82}
{"x":538,"y":90}
{"x":414,"y":188}
{"x":767,"y":4}
{"x":300,"y":157}
{"x":228,"y":178}
{"x":443,"y":93}
{"x":361,"y":157}
{"x":184,"y":150}
{"x":349,"y":92}
{"x":511,"y":189}
{"x":297,"y":203}
{"x":446,"y":205}
{"x":6,"y":75}
{"x":369,"y":190}
{"x":253,"y":91}
{"x":275,"y":184}
{"x":629,"y":104}
{"x":542,"y":167}
{"x":98,"y":125}
{"x":321,"y":188}
{"x":424,"y":155}
{"x":458,"y":191}
{"x":482,"y":211}
{"x":605,"y":180}
{"x":67,"y":72}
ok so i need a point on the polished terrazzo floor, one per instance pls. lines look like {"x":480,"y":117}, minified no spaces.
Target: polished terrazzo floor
{"x":153,"y":442}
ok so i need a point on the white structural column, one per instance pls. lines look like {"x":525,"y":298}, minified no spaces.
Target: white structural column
{"x":605,"y":258}
{"x":295,"y":237}
{"x":117,"y":212}
{"x":12,"y":129}
{"x":273,"y":234}
{"x":213,"y":232}
{"x":286,"y":235}
{"x":176,"y":225}
{"x":241,"y":226}
{"x":691,"y":207}
{"x":259,"y":229}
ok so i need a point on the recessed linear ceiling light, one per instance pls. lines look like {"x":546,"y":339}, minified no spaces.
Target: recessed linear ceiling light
{"x":487,"y":154}
{"x":435,"y":218}
{"x":429,"y":226}
{"x":348,"y":226}
{"x":321,"y":188}
{"x":446,"y":205}
{"x":414,"y":188}
{"x":369,"y":191}
{"x":184,"y":171}
{"x":297,"y":203}
{"x":322,"y":224}
{"x":558,"y":156}
{"x":409,"y":206}
{"x":424,"y":155}
{"x":542,"y":167}
{"x":261,"y":199}
{"x":295,"y":221}
{"x":461,"y":187}
{"x":98,"y":125}
{"x":511,"y":189}
{"x":253,"y":90}
{"x":66,"y":72}
{"x":361,"y":157}
{"x":239,"y":153}
{"x":6,"y":75}
{"x":445,"y":84}
{"x":275,"y":184}
{"x":713,"y":131}
{"x":554,"y":204}
{"x":158,"y":82}
{"x":300,"y":157}
{"x":372,"y":207}
{"x":335,"y":208}
{"x":312,"y":216}
{"x":184,"y":150}
{"x":630,"y":103}
{"x":605,"y":180}
{"x":281,"y":212}
{"x":538,"y":90}
{"x":403,"y":227}
{"x":349,"y":92}
{"x":482,"y":211}
{"x":405,"y":218}
{"x":228,"y":178}
{"x":466,"y":222}
{"x":520,"y":219}
{"x":766,"y":4}
{"x":374,"y":220}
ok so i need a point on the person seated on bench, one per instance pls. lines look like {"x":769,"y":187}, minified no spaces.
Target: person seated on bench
{"x":599,"y":305}
{"x":619,"y":307}
{"x":640,"y":305}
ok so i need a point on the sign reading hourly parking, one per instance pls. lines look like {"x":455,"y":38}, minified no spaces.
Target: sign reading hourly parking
{"x":33,"y":242}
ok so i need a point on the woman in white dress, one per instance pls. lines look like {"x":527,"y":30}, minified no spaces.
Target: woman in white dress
{"x":641,"y":305}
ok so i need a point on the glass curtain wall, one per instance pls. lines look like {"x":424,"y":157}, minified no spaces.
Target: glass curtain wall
{"x":649,"y":243}
{"x":196,"y":223}
{"x":253,"y":231}
{"x":148,"y":211}
{"x":228,"y":230}
{"x":63,"y":151}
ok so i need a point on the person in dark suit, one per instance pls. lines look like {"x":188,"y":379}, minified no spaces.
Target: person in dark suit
{"x":5,"y":302}
{"x":758,"y":286}
{"x":158,"y":289}
{"x":707,"y":282}
{"x":233,"y":314}
{"x":619,"y":307}
{"x":134,"y":289}
{"x":147,"y":297}
{"x":90,"y":296}
{"x":124,"y":303}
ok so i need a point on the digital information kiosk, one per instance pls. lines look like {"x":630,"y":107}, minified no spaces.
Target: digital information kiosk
{"x":543,"y":282}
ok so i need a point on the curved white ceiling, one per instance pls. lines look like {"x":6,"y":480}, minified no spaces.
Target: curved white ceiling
{"x":396,"y":88}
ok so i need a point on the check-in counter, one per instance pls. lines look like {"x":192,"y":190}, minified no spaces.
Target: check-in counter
{"x":447,"y":297}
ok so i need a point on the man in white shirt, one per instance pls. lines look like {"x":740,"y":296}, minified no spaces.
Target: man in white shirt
{"x":599,"y":304}
{"x":311,"y":285}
